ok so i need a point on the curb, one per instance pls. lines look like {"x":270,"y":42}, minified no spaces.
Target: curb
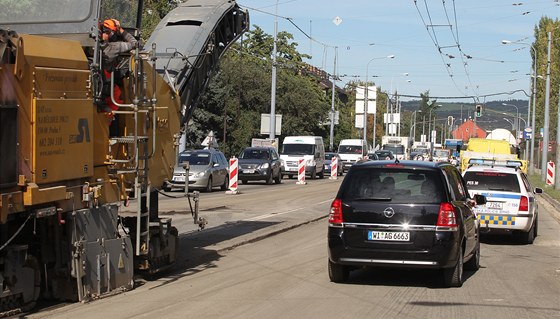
{"x":554,"y":203}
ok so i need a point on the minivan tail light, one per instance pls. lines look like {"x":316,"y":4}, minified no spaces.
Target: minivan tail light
{"x":447,"y":216}
{"x":335,"y":215}
{"x":524,"y":204}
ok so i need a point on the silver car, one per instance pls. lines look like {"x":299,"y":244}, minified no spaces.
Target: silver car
{"x":208,"y":169}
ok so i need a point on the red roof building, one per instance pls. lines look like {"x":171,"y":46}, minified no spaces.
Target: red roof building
{"x":467,"y":130}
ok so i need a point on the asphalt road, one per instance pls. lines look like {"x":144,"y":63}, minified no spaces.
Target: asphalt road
{"x":264,"y":254}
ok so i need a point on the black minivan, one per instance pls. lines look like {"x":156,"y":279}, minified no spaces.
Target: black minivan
{"x":404,"y":214}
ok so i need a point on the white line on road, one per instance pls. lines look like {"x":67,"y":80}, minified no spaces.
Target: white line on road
{"x":252,"y":219}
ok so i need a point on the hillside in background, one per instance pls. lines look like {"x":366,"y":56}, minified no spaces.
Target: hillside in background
{"x":493,"y":113}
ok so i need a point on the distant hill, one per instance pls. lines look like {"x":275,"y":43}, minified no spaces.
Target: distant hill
{"x":492,"y":114}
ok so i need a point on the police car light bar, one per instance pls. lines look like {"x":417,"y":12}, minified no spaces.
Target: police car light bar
{"x":493,"y":162}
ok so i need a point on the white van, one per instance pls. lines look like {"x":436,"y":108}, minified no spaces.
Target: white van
{"x":310,"y":148}
{"x":351,"y":151}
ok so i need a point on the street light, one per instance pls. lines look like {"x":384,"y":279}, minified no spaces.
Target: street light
{"x":392,"y":56}
{"x":412,"y":133}
{"x":532,"y":153}
{"x":516,"y":116}
{"x":510,"y":122}
{"x":430,"y":122}
{"x":273,"y":86}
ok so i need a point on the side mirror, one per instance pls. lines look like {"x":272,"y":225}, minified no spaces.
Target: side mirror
{"x":538,"y":190}
{"x":480,"y":199}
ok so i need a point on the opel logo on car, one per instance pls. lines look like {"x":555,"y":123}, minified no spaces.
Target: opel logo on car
{"x":389,"y":212}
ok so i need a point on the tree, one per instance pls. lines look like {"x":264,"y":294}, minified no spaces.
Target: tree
{"x":544,"y":26}
{"x":240,"y":92}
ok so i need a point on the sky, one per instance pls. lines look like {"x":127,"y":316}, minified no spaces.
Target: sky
{"x":424,"y":36}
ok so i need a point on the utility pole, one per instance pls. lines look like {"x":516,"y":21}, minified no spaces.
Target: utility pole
{"x":331,"y":140}
{"x":557,"y":168}
{"x":546,"y":112}
{"x":273,"y":88}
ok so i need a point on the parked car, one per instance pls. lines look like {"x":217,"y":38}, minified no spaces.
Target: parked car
{"x":441,"y":155}
{"x":260,"y":164}
{"x":328,"y":161}
{"x":385,"y":155}
{"x":512,"y":206}
{"x":409,"y":214}
{"x":208,"y":169}
{"x":373,"y":157}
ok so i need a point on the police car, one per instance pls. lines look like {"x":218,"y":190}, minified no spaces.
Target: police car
{"x":511,"y":202}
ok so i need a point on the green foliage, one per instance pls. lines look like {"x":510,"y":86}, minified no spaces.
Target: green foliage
{"x":154,"y":11}
{"x":240,"y":92}
{"x":544,"y":26}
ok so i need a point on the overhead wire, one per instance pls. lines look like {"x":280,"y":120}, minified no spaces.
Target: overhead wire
{"x":433,"y":37}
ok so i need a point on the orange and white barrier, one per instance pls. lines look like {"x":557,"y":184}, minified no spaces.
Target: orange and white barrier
{"x":301,"y":172}
{"x":334,"y":167}
{"x":233,"y":169}
{"x":550,"y":173}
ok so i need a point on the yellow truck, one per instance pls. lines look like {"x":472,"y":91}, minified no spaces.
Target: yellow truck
{"x":488,"y":149}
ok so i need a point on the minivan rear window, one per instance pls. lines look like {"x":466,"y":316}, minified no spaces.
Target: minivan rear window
{"x":393,"y":185}
{"x":492,"y":181}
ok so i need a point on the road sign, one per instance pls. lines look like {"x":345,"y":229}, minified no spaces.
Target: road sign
{"x":528,"y":133}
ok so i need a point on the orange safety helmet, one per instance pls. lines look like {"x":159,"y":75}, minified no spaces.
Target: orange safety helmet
{"x":111,"y":24}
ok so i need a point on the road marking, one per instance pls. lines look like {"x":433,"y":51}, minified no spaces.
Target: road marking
{"x":252,"y":219}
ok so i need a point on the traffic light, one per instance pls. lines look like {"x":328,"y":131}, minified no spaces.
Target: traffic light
{"x":478,"y":111}
{"x":449,"y":120}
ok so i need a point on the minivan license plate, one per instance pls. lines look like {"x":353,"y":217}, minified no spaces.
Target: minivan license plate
{"x":385,"y":235}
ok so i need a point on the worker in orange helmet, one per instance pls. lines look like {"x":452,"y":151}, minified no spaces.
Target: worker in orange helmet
{"x":115,"y":41}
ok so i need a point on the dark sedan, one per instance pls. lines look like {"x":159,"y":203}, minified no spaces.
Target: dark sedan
{"x":260,"y":164}
{"x":403,"y":214}
{"x":328,"y":162}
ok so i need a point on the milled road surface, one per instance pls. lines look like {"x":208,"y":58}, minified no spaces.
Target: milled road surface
{"x":225,"y":272}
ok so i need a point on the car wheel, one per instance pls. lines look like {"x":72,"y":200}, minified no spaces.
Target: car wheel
{"x":269,"y":178}
{"x":474,"y":263}
{"x":529,"y":237}
{"x":536,"y":226}
{"x":338,"y":273}
{"x":322,"y":174}
{"x":209,"y":185}
{"x":313,"y":174}
{"x":244,"y":181}
{"x":278,"y":179}
{"x":226,"y":183}
{"x":453,"y":277}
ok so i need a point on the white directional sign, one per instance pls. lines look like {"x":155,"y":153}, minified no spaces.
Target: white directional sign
{"x":337,"y":20}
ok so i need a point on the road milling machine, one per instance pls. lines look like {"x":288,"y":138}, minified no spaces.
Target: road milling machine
{"x":67,"y":167}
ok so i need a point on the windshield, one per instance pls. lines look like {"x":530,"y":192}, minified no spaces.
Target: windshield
{"x":441,"y":153}
{"x":492,"y":181}
{"x":396,"y":186}
{"x":254,"y":154}
{"x":419,"y":150}
{"x":42,"y":11}
{"x":64,"y":16}
{"x":329,"y":156}
{"x":298,"y":149}
{"x":195,"y":158}
{"x":350,"y":149}
{"x":396,"y":149}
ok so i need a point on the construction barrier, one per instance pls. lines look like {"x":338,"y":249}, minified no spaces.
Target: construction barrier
{"x":301,"y":172}
{"x":233,"y":169}
{"x":550,"y":173}
{"x":334,"y":167}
